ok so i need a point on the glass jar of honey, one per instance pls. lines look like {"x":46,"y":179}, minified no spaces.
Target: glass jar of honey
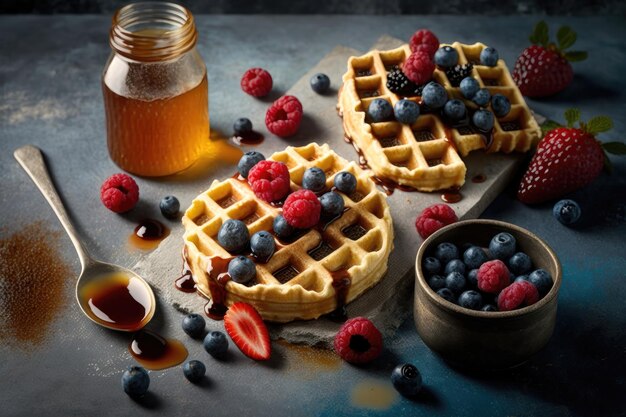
{"x":155,"y":90}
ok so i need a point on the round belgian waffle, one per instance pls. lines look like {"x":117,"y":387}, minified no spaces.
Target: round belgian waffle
{"x":322,"y":269}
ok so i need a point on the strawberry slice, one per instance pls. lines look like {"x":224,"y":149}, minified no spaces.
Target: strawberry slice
{"x":246,"y":327}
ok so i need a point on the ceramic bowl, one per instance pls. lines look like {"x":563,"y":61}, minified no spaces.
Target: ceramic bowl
{"x":478,"y":339}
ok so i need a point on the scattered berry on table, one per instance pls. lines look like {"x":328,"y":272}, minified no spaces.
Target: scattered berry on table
{"x":458,"y":72}
{"x":332,"y":204}
{"x":455,"y":282}
{"x":483,"y":119}
{"x":541,"y":279}
{"x":424,"y":40}
{"x":566,"y":212}
{"x":434,"y":96}
{"x":518,"y":294}
{"x":446,"y":57}
{"x":520,"y":263}
{"x":193,"y":324}
{"x":169,"y":206}
{"x":216,"y":344}
{"x":472,"y":278}
{"x":446,"y":252}
{"x":436,"y":282}
{"x":471,"y":299}
{"x":500,"y":105}
{"x":406,"y":379}
{"x":269,"y":180}
{"x":358,"y":341}
{"x":257,"y":82}
{"x":454,"y":110}
{"x":194,"y":371}
{"x":119,"y":193}
{"x":469,"y":87}
{"x":345,"y":182}
{"x":314,"y":179}
{"x":242,"y":125}
{"x":493,"y":276}
{"x":434,"y":218}
{"x":282,"y":229}
{"x":455,"y":265}
{"x":241,"y":269}
{"x":320,"y":83}
{"x":379,"y":110}
{"x":247,"y":161}
{"x":399,"y":83}
{"x":418,"y":67}
{"x":233,"y":235}
{"x":489,"y":307}
{"x":474,"y":257}
{"x":302,"y":209}
{"x":262,"y":245}
{"x":431,"y":265}
{"x":489,"y":57}
{"x":406,"y":111}
{"x":135,"y":381}
{"x":502,"y":246}
{"x":482,"y":97}
{"x":447,"y":294}
{"x":246,"y":328}
{"x":283,"y":117}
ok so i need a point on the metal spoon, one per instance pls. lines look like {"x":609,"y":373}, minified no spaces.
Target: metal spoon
{"x":93,"y":272}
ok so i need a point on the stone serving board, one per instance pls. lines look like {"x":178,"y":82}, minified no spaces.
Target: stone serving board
{"x":389,"y":303}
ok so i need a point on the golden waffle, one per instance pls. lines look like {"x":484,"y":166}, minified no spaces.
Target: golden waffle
{"x":322,"y":270}
{"x":426,"y":155}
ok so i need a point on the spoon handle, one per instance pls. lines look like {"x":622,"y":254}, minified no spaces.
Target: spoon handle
{"x":31,"y":159}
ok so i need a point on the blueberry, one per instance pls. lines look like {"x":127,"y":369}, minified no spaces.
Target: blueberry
{"x":431,"y":265}
{"x":406,"y":379}
{"x":483,"y":119}
{"x":566,"y":211}
{"x":320,"y":83}
{"x":489,"y":57}
{"x":501,"y":105}
{"x":469,"y":87}
{"x":282,"y":229}
{"x":489,"y":307}
{"x":314,"y":179}
{"x":447,"y":294}
{"x":169,"y":206}
{"x":474,"y":257}
{"x":216,"y":344}
{"x":446,"y":252}
{"x":471,"y":299}
{"x":406,"y":111}
{"x":482,"y":97}
{"x":455,"y":282}
{"x":519,"y":263}
{"x":241,"y":269}
{"x":434,"y":96}
{"x":502,"y":246}
{"x":454,"y":110}
{"x":541,"y":279}
{"x":247,"y":161}
{"x":135,"y":381}
{"x":472,"y":277}
{"x":455,"y":265}
{"x":194,"y":371}
{"x":332,"y":204}
{"x":446,"y":57}
{"x":262,"y":245}
{"x":436,"y":282}
{"x":345,"y":182}
{"x":521,"y":278}
{"x":233,"y":235}
{"x":242,"y":126}
{"x":380,"y":110}
{"x":193,"y":325}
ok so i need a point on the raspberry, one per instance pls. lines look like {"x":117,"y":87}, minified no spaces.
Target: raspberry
{"x":269,"y":180}
{"x":257,"y":82}
{"x":302,"y":209}
{"x":119,"y":193}
{"x":424,"y":40}
{"x":434,"y":218}
{"x":518,"y":294}
{"x":358,"y":341}
{"x":284,"y":116}
{"x":493,"y":276}
{"x":418,"y":67}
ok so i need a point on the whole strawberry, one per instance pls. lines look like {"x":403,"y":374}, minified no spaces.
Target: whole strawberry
{"x":567,"y":159}
{"x":544,"y":68}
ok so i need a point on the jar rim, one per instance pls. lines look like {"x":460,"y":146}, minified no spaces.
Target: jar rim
{"x":152,"y":31}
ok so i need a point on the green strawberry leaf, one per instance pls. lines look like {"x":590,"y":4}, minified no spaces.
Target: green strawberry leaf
{"x":572,"y":116}
{"x":549,"y":125}
{"x":565,"y":37}
{"x":540,"y":34}
{"x":575,"y":56}
{"x":615,"y":148}
{"x":599,"y":124}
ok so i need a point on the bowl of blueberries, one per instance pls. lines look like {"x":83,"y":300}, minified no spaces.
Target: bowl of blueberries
{"x":485,"y":293}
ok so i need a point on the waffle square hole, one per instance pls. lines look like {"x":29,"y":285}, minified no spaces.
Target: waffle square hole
{"x":364,"y":72}
{"x":251,"y":218}
{"x":286,"y":273}
{"x":491,"y":77}
{"x":354,"y":231}
{"x":434,"y":162}
{"x":201,"y":219}
{"x":227,"y":201}
{"x":423,"y":135}
{"x":369,"y":93}
{"x":390,"y":142}
{"x":465,"y":130}
{"x":321,"y":251}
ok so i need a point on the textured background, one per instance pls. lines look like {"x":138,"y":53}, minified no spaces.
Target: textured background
{"x":489,"y":7}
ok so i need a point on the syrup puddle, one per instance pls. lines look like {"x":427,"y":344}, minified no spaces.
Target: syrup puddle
{"x":374,"y":395}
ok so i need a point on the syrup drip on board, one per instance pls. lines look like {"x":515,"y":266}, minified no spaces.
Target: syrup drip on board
{"x":156,"y":352}
{"x":341,"y":284}
{"x":218,"y":278}
{"x":185,"y":282}
{"x":148,"y":234}
{"x":477,"y":179}
{"x":452,"y":196}
{"x":248,"y":138}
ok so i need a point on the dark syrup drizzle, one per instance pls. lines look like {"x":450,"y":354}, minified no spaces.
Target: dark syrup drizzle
{"x":248,"y":138}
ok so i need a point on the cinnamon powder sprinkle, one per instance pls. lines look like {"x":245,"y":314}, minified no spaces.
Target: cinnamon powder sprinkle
{"x":33,"y":281}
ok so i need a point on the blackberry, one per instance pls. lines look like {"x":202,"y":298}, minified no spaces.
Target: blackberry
{"x":398,"y":83}
{"x":458,"y":72}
